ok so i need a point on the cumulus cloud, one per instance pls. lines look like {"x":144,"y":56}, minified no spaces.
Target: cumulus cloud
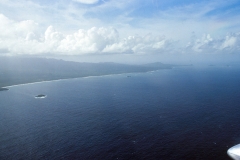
{"x":25,"y":37}
{"x":93,"y":40}
{"x":87,"y":1}
{"x":229,"y":42}
{"x":207,"y":44}
{"x":138,"y":45}
{"x":10,"y":28}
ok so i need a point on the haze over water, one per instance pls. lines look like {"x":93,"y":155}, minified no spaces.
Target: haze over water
{"x":183,"y":113}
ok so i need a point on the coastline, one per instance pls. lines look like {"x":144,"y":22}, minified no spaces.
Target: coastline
{"x":22,"y":71}
{"x":5,"y":88}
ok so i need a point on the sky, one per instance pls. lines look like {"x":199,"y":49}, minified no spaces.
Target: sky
{"x":119,"y":30}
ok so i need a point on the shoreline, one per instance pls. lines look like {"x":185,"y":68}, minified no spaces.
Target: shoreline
{"x":5,"y":88}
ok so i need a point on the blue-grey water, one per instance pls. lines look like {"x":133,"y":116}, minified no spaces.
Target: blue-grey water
{"x":182,"y":113}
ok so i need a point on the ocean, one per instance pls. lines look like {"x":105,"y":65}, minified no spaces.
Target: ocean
{"x":172,"y":114}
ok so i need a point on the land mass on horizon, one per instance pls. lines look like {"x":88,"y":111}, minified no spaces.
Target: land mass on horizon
{"x":18,"y":70}
{"x":4,"y":89}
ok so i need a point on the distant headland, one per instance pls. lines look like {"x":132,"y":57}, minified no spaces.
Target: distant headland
{"x":4,"y":89}
{"x":19,"y":70}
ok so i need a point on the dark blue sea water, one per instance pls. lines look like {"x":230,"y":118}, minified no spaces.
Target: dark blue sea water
{"x":182,"y":113}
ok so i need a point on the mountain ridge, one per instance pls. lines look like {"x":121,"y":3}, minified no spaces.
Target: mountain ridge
{"x":15,"y":70}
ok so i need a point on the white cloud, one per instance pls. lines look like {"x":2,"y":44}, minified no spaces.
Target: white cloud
{"x":87,"y":1}
{"x":207,"y":44}
{"x":229,"y":42}
{"x":25,"y":37}
{"x":129,"y":17}
{"x":138,"y":45}
{"x":10,"y":28}
{"x":92,"y":40}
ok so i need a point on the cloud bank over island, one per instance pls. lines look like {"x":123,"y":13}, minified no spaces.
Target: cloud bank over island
{"x":111,"y":27}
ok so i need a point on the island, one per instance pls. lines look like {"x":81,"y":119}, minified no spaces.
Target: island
{"x":4,"y":89}
{"x":40,"y":96}
{"x":21,"y":70}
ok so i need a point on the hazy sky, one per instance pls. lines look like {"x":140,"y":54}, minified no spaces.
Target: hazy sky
{"x":105,"y":30}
